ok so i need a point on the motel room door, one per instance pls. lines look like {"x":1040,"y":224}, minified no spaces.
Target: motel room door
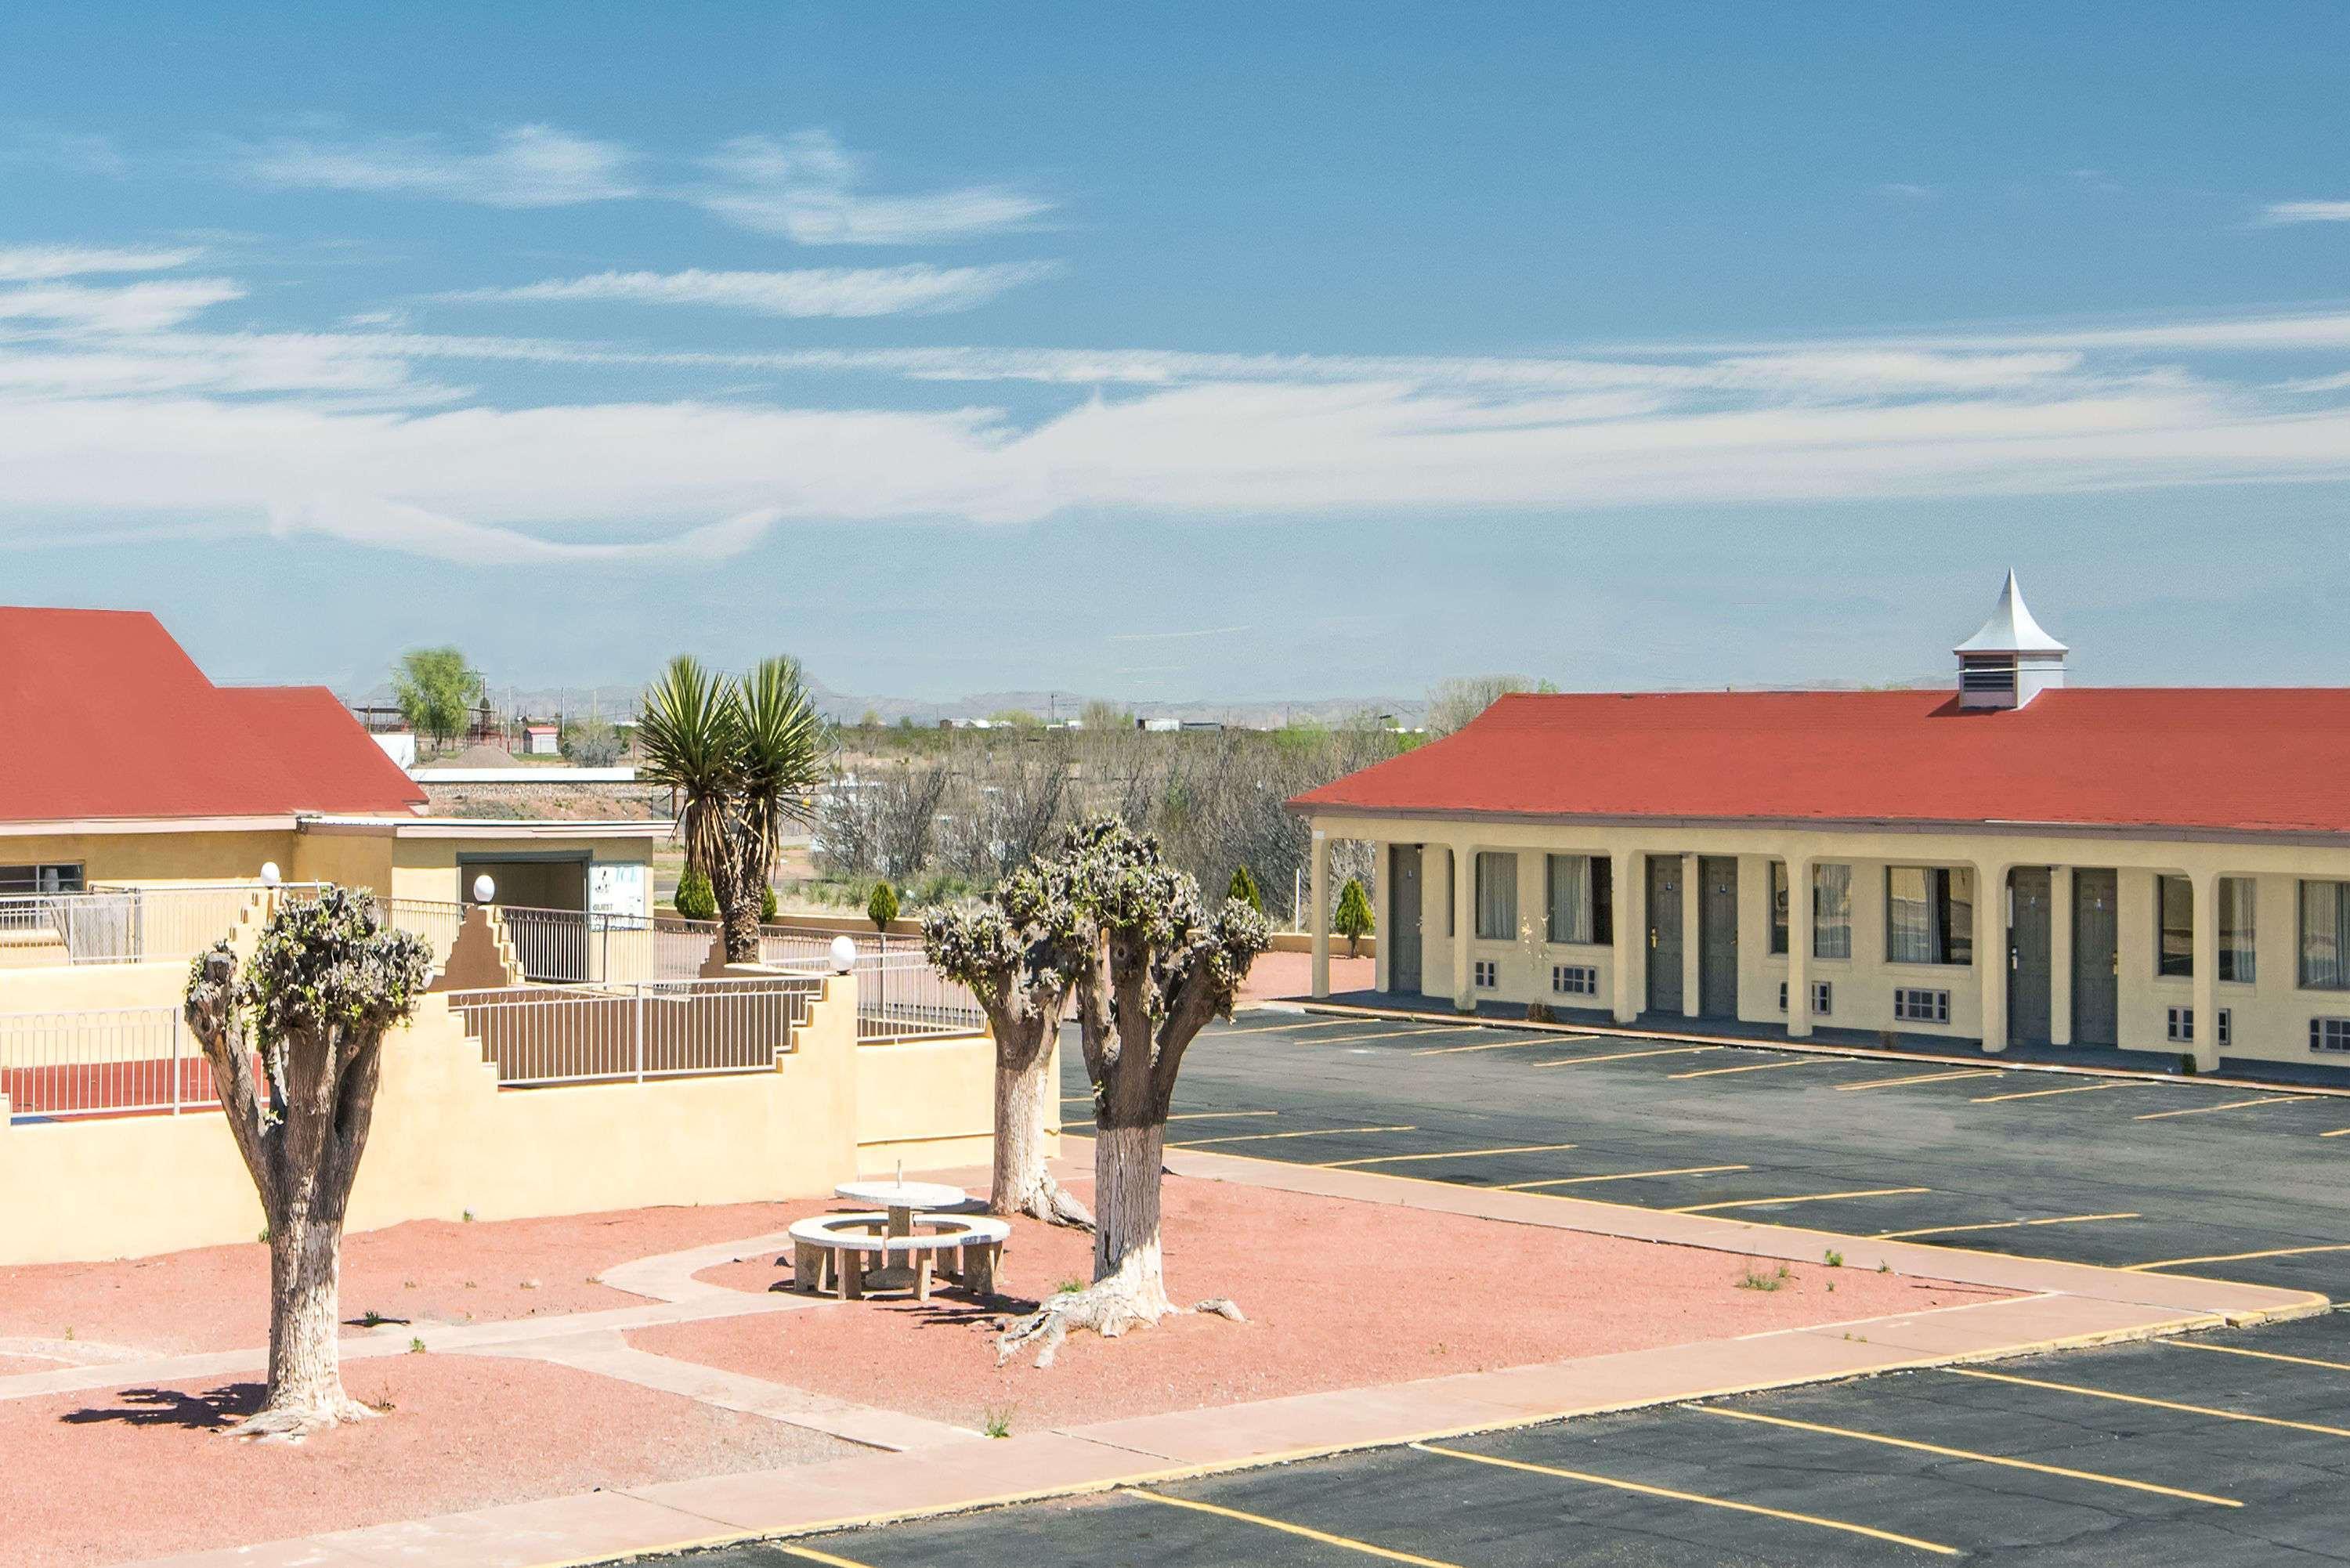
{"x":1402,"y":934}
{"x":2096,"y":972}
{"x":1664,"y":933}
{"x":2029,"y":921}
{"x":1717,"y":936}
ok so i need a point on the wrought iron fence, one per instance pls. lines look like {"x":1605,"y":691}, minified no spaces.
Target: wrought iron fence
{"x":119,"y":924}
{"x":656,"y":1029}
{"x":102,"y":1062}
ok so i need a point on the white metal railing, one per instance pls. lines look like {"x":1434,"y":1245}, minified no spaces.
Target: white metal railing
{"x":539,"y":1035}
{"x":102,"y":1062}
{"x":899,"y":994}
{"x":573,"y":947}
{"x":120,"y":924}
{"x":433,"y":920}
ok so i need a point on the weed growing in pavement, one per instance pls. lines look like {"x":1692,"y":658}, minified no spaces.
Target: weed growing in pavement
{"x":997,"y":1422}
{"x":415,"y":1347}
{"x":1755,"y":1279}
{"x":1885,"y":1268}
{"x":263,"y":1237}
{"x":1069,"y":1287}
{"x":371,"y":1319}
{"x":1834,"y":1259}
{"x":68,"y":1331}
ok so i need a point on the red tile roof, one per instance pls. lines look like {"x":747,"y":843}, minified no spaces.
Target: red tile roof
{"x":2262,"y":760}
{"x":105,"y":716}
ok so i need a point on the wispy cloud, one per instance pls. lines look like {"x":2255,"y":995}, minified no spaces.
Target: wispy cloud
{"x":807,"y":187}
{"x":527,"y":166}
{"x":2308,"y":213}
{"x":132,"y":308}
{"x":917,"y":288}
{"x":390,"y":524}
{"x":23,"y":264}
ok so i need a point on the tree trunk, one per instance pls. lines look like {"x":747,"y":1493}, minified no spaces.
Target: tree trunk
{"x":1022,"y":1184}
{"x":1126,"y":1258}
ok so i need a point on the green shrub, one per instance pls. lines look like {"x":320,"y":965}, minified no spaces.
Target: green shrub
{"x":1245,"y":888}
{"x":881,"y":907}
{"x":693,"y":898}
{"x":766,"y":903}
{"x":1354,"y":920}
{"x":590,"y":743}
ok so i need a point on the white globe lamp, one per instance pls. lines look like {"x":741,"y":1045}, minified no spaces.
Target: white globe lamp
{"x":270,"y":877}
{"x":844,"y":955}
{"x":485,"y":891}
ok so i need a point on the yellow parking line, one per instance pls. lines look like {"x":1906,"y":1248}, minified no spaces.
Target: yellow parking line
{"x":1443,"y":1154}
{"x":1762,"y":1066}
{"x":2044,"y":1093}
{"x":2096,"y":1476}
{"x":1996,"y":1225}
{"x":1920,"y":1078}
{"x":810,"y":1554}
{"x":1394,"y":1034}
{"x":1646,"y":1491}
{"x":1801,"y":1197}
{"x":2225,"y":1105}
{"x":2263,"y":1354}
{"x":1216,"y":1115}
{"x":1348,"y":1541}
{"x":1258,"y":1137}
{"x":1628,"y":1055}
{"x":1619,"y":1176}
{"x":1495,"y":1045}
{"x":2157,"y":1404}
{"x":1276,"y":1028}
{"x":2235,"y":1257}
{"x":2338,"y":1132}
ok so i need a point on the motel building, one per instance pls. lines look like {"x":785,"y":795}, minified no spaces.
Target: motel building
{"x":145,"y":809}
{"x":2008,"y":860}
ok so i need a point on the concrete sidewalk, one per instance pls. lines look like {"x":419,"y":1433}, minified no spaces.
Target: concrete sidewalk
{"x":2069,"y":1305}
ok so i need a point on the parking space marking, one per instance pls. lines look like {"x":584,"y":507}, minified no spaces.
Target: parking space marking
{"x":1274,"y":1028}
{"x":2226,"y":1106}
{"x":1259,"y":1137}
{"x":1765,"y":1066}
{"x":1646,"y":1491}
{"x":1442,"y":1154}
{"x":1628,"y":1055}
{"x":2076,"y":1089}
{"x":1619,"y":1176}
{"x":2338,"y":1132}
{"x":1214,"y":1115}
{"x":1800,"y":1198}
{"x":2096,"y":1476}
{"x":1325,"y":1537}
{"x":1495,"y":1045}
{"x":1392,"y":1035}
{"x":1920,"y":1078}
{"x":2157,"y":1404}
{"x":1997,"y":1225}
{"x":2261,"y":1355}
{"x":2235,"y":1257}
{"x":810,"y":1554}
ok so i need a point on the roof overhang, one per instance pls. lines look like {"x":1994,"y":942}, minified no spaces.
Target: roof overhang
{"x":489,"y":827}
{"x":111,"y":825}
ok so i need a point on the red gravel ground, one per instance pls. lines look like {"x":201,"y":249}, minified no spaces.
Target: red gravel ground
{"x":1338,"y":1295}
{"x":142,"y":1473}
{"x":428,"y":1271}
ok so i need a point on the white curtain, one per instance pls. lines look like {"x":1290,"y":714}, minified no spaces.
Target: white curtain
{"x":1832,"y":912}
{"x":1909,"y":915}
{"x":1497,"y":896}
{"x":1570,"y":898}
{"x":2324,"y":925}
{"x":2236,"y":928}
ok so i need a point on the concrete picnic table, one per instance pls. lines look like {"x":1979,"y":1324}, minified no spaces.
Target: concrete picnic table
{"x":903,"y":1199}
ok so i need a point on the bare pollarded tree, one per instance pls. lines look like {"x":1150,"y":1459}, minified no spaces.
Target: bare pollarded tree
{"x":1019,"y":953}
{"x":1155,"y":967}
{"x":313,"y":1005}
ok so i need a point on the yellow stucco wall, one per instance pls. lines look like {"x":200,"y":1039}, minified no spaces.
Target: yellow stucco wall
{"x":910,"y":1094}
{"x":161,"y":857}
{"x":446,"y":1141}
{"x":2270,"y":1017}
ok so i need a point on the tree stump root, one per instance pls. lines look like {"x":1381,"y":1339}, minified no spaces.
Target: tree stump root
{"x":1110,"y":1307}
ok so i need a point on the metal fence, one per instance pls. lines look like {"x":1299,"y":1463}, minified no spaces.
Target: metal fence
{"x":431,"y":918}
{"x":102,"y":1062}
{"x":657,"y":1029}
{"x":110,"y":924}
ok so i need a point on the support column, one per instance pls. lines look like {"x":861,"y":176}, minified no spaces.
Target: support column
{"x":1991,"y":955}
{"x":1383,"y":878}
{"x":1464,"y":926}
{"x":2060,"y":955}
{"x":1317,"y":893}
{"x":1799,"y":947}
{"x":2206,"y":885}
{"x":1692,"y":929}
{"x":1631,"y":955}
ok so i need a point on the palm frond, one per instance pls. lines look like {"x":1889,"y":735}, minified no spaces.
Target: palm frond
{"x":781,"y":749}
{"x":691,"y":739}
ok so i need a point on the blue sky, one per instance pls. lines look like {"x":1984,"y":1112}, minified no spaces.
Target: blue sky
{"x":1184,"y":351}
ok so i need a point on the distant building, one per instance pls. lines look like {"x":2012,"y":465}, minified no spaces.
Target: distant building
{"x":2015,"y":861}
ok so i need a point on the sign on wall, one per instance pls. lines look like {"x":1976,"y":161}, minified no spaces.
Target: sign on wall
{"x":621,"y":887}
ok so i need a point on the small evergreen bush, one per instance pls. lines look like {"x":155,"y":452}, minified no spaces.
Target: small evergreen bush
{"x":1245,"y":888}
{"x":693,"y":898}
{"x":766,"y":903}
{"x":881,"y":907}
{"x":1354,"y":920}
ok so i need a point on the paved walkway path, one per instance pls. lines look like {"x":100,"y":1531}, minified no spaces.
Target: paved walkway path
{"x":2069,"y":1305}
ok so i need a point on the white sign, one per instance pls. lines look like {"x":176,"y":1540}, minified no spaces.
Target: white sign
{"x":621,"y":887}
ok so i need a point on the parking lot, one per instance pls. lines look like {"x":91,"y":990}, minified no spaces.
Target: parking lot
{"x":2230,"y":1447}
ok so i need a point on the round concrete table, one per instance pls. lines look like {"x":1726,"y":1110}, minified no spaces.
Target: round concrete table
{"x":903,"y":1199}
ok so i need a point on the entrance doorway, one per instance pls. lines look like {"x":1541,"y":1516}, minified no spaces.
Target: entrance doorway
{"x":1716,"y":937}
{"x":1402,"y":935}
{"x":2030,"y":922}
{"x":1664,"y":933}
{"x":2096,"y":968}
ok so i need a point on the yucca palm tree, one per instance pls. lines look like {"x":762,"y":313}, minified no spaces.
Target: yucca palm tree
{"x":746,"y":757}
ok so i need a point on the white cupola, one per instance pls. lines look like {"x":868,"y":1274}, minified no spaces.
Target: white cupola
{"x":2011,"y":661}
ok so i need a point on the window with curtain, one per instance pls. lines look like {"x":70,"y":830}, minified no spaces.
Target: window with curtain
{"x":2174,"y":945}
{"x":2236,"y":928}
{"x":1497,"y":896}
{"x":2325,"y":936}
{"x":1832,"y":912}
{"x":1570,"y":899}
{"x":1930,"y":914}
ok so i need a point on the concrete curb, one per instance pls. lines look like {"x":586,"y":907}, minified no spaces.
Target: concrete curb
{"x":2066,"y":1306}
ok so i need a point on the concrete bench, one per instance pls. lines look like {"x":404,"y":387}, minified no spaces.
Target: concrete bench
{"x":834,"y":1253}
